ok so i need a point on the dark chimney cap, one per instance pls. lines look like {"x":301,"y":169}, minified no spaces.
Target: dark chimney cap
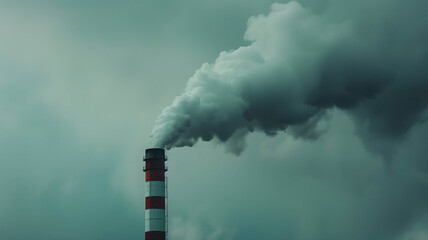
{"x":155,"y":153}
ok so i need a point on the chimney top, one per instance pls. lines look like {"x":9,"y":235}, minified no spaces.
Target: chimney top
{"x":155,"y":153}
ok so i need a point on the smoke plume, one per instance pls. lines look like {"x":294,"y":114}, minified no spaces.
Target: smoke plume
{"x":370,"y":61}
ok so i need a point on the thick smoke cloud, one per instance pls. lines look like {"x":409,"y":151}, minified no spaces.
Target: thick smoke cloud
{"x":369,"y":61}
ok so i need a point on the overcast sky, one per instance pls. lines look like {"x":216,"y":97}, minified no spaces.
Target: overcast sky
{"x":83,"y":82}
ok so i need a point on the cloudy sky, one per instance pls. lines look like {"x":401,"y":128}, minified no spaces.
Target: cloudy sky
{"x":307,"y":119}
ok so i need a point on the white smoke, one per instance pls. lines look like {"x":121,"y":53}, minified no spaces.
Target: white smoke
{"x":297,"y":65}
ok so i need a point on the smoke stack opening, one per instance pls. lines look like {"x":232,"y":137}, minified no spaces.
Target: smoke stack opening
{"x":152,"y":153}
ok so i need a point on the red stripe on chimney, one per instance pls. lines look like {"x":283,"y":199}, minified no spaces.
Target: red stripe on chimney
{"x":155,"y":235}
{"x":155,"y":202}
{"x":155,"y":175}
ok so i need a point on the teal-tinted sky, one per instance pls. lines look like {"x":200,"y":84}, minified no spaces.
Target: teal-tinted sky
{"x":82,"y":82}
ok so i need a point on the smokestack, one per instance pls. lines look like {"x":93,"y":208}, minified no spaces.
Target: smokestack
{"x":156,"y":211}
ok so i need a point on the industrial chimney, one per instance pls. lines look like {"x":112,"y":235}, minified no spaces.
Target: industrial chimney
{"x":156,"y":189}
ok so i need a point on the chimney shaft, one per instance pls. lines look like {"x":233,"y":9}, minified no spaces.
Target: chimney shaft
{"x":155,"y":194}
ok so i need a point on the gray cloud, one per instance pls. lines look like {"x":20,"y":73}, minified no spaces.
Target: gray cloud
{"x":301,"y":63}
